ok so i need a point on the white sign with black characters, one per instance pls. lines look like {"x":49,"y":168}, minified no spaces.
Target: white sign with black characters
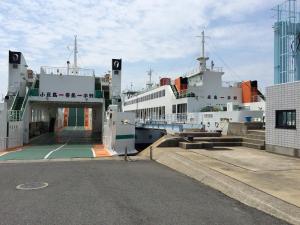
{"x":67,"y":95}
{"x":14,"y":57}
{"x":116,"y":64}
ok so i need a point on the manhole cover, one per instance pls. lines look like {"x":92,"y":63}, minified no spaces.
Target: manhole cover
{"x":32,"y":186}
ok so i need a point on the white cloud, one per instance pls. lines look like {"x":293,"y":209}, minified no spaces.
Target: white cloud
{"x":136,"y":30}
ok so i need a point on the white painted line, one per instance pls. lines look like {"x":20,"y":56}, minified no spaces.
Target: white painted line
{"x":47,"y":156}
{"x":4,"y":153}
{"x":94,"y":153}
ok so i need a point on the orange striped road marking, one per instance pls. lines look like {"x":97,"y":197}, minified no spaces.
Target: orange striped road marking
{"x":100,"y":151}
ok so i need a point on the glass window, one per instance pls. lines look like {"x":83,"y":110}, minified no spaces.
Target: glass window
{"x":209,"y":97}
{"x":173,"y":108}
{"x":228,"y":97}
{"x":235,"y":97}
{"x":286,"y":119}
{"x":215,"y":97}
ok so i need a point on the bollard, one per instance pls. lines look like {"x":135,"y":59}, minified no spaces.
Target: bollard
{"x":125,"y":155}
{"x":151,"y":156}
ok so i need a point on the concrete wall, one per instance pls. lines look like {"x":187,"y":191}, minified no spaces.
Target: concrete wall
{"x":282,"y":97}
{"x":3,"y":126}
{"x":241,"y":129}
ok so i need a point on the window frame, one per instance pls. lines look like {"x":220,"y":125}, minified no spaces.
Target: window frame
{"x":284,"y":124}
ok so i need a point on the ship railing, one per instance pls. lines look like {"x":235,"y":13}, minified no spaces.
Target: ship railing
{"x":179,"y":118}
{"x":230,"y":84}
{"x":198,"y":70}
{"x":67,"y":71}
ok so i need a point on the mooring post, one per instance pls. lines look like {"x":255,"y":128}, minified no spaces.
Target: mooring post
{"x":151,"y":156}
{"x":125,"y":155}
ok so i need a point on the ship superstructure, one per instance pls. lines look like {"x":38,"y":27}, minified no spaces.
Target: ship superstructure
{"x":201,"y":90}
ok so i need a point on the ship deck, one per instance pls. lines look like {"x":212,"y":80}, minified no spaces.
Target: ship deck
{"x":68,"y":143}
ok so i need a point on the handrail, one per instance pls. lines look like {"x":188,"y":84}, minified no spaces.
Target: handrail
{"x":24,"y":105}
{"x":14,"y":102}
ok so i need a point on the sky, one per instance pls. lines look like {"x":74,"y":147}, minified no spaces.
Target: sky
{"x":157,"y":34}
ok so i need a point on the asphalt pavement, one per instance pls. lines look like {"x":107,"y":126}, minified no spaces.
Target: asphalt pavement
{"x":115,"y":192}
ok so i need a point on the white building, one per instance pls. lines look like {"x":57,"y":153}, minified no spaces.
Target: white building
{"x":282,"y":114}
{"x":283,"y":99}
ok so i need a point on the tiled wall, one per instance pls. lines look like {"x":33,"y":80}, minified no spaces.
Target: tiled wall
{"x":283,"y":97}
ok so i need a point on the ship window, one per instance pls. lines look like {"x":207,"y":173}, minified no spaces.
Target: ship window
{"x":173,"y":108}
{"x":228,"y":97}
{"x":215,"y":97}
{"x":286,"y":119}
{"x":164,"y":93}
{"x":209,"y":97}
{"x":235,"y":98}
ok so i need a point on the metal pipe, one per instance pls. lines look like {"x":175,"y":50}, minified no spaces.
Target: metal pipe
{"x":125,"y":155}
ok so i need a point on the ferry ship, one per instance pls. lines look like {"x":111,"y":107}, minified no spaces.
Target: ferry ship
{"x":197,"y":99}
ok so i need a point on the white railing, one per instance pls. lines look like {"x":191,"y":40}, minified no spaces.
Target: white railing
{"x":14,"y":115}
{"x":230,"y":84}
{"x":198,"y":70}
{"x":67,"y":71}
{"x":3,"y":143}
{"x":180,"y":118}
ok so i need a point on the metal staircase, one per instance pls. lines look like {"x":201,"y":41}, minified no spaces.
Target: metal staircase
{"x":175,"y":91}
{"x":18,"y":107}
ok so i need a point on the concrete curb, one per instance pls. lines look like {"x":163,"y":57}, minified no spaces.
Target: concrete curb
{"x":232,"y":187}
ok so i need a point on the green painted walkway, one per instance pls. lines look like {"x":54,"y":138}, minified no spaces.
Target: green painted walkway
{"x":71,"y":142}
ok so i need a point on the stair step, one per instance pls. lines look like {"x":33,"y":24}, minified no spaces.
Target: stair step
{"x":255,"y":146}
{"x":257,"y":137}
{"x":254,"y":141}
{"x":219,"y":139}
{"x":257,"y":132}
{"x":196,"y":145}
{"x":227,"y":144}
{"x":19,"y":102}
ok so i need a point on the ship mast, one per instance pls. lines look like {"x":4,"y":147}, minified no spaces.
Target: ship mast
{"x":149,"y":84}
{"x":202,"y":59}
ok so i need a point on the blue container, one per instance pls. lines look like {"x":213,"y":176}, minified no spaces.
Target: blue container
{"x":248,"y":118}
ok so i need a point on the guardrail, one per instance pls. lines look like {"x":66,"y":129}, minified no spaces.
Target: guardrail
{"x":198,"y":70}
{"x":67,"y":71}
{"x":179,"y":118}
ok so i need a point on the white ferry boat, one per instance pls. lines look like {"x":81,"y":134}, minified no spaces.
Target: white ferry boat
{"x":198,"y":99}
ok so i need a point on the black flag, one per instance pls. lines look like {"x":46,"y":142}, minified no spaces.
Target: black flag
{"x":14,"y":57}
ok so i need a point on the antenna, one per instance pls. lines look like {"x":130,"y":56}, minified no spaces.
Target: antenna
{"x":202,"y":58}
{"x":75,"y":54}
{"x":149,"y":84}
{"x":131,"y":86}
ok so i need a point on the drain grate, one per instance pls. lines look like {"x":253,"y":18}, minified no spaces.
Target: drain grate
{"x":32,"y":186}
